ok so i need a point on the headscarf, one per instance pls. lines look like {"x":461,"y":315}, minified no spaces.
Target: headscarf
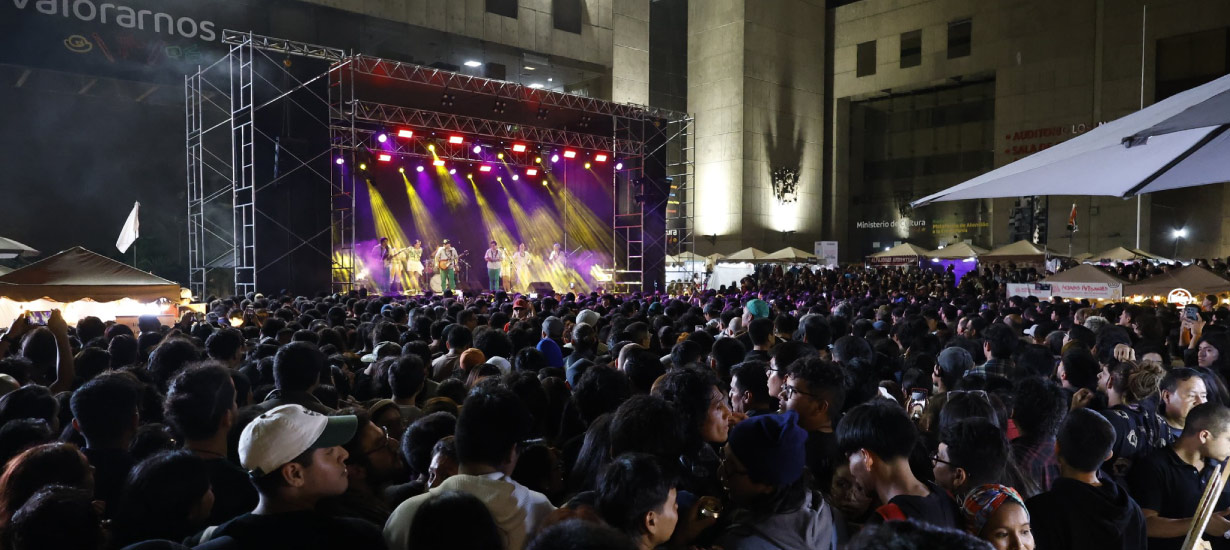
{"x":982,"y":502}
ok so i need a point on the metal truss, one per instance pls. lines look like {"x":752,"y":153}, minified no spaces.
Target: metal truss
{"x":221,"y":104}
{"x":290,"y":47}
{"x":492,"y":129}
{"x":411,"y":72}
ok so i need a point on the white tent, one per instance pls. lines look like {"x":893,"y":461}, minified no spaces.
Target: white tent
{"x":10,"y":249}
{"x":902,"y":254}
{"x":1180,"y":141}
{"x":958,"y":251}
{"x":791,"y":254}
{"x":750,"y":254}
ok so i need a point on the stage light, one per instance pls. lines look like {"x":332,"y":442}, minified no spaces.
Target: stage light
{"x":431,"y":147}
{"x":619,"y":166}
{"x":419,"y":169}
{"x":382,"y":138}
{"x":473,"y":63}
{"x":384,"y":157}
{"x":469,"y":176}
{"x":405,"y":134}
{"x":437,"y":162}
{"x":452,"y":171}
{"x":536,"y":86}
{"x":569,"y":154}
{"x":587,"y":166}
{"x":340,"y":161}
{"x":518,"y":147}
{"x":484,"y":168}
{"x":531,"y":171}
{"x":537,"y":160}
{"x":554,"y":158}
{"x":600,"y":157}
{"x":515,"y":178}
{"x":362,"y":166}
{"x":456,"y":139}
{"x":402,"y":169}
{"x":499,"y":156}
{"x":544,"y":183}
{"x":500,"y":179}
{"x":477,"y":149}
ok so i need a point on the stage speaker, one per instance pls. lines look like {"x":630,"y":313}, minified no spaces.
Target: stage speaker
{"x":471,"y":288}
{"x":541,"y":288}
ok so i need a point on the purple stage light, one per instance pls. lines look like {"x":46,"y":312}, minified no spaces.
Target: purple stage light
{"x":340,"y":161}
{"x":382,"y":138}
{"x":477,"y":149}
{"x":419,"y":169}
{"x":619,"y":166}
{"x":554,"y":158}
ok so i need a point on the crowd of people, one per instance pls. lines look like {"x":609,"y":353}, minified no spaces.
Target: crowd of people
{"x":854,"y":408}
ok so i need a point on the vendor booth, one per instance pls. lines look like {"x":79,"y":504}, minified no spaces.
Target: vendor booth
{"x":1022,"y":254}
{"x":81,"y":283}
{"x":732,"y":268}
{"x":1189,"y":281}
{"x":1082,"y":281}
{"x":791,"y":255}
{"x":962,"y":258}
{"x":1122,"y":254}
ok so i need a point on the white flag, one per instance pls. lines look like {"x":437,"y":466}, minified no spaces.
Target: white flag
{"x":131,"y":230}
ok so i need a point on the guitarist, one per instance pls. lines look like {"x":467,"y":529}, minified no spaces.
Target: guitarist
{"x":446,"y":262}
{"x":385,"y":253}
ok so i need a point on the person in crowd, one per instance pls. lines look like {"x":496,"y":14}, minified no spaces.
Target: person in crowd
{"x":1085,"y":508}
{"x":200,"y":406}
{"x":454,"y":519}
{"x":296,"y":374}
{"x":1168,"y":483}
{"x":1181,"y":390}
{"x":637,"y":497}
{"x":749,"y":389}
{"x":780,"y":360}
{"x":997,"y":514}
{"x":61,"y":517}
{"x":760,"y":333}
{"x":105,"y":414}
{"x":950,"y":367}
{"x":878,"y":437}
{"x":47,"y":464}
{"x":373,"y":463}
{"x":764,"y":472}
{"x":493,"y":421}
{"x":815,"y":391}
{"x":458,"y":340}
{"x":167,"y":496}
{"x":295,"y":459}
{"x":1039,"y":408}
{"x":704,"y":419}
{"x":407,"y":377}
{"x":1131,"y":395}
{"x":998,"y":345}
{"x":972,"y":452}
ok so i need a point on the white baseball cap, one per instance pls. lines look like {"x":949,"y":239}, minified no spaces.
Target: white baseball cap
{"x":283,"y":433}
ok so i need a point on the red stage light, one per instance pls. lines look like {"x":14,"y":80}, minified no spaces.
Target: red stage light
{"x":384,"y":157}
{"x":568,"y":154}
{"x":407,"y":134}
{"x":484,"y":168}
{"x":531,"y":171}
{"x":456,"y":139}
{"x":518,"y":147}
{"x":437,"y":162}
{"x":600,"y":157}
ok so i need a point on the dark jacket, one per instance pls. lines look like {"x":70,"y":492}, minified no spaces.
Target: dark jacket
{"x":1076,"y":515}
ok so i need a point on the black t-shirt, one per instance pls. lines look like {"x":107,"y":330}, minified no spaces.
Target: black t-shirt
{"x":823,"y":458}
{"x":1162,"y":482}
{"x":307,"y":530}
{"x":111,"y":467}
{"x":937,"y":508}
{"x":234,"y":494}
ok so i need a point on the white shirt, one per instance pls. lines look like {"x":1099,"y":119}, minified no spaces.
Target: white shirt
{"x":494,"y":258}
{"x":449,"y":254}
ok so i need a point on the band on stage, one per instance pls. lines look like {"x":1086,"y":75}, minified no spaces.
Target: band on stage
{"x":407,"y":270}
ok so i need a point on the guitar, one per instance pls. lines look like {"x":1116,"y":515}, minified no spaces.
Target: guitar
{"x":445,"y":264}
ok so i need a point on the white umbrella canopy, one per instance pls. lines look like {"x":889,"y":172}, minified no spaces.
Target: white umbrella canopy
{"x":957,"y":251}
{"x":750,"y":254}
{"x":791,"y":253}
{"x":10,"y":249}
{"x":1180,"y":141}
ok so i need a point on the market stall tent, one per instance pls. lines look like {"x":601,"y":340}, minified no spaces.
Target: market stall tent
{"x":957,"y":251}
{"x":1123,"y":254}
{"x":80,"y":283}
{"x":749,"y":254}
{"x":1193,"y":278}
{"x":791,"y":254}
{"x":902,"y":254}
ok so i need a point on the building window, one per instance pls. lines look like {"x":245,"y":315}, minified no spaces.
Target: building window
{"x":911,"y":49}
{"x":567,"y":14}
{"x":507,"y":8}
{"x":866,"y":64}
{"x":959,"y":38}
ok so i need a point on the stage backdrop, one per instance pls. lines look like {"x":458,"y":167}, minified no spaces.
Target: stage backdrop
{"x":472,"y":208}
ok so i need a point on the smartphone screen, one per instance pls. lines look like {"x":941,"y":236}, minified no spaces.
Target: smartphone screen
{"x":39,"y":317}
{"x":1191,"y":313}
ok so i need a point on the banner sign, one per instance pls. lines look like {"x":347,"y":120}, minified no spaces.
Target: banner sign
{"x":1097,"y":291}
{"x":827,"y":252}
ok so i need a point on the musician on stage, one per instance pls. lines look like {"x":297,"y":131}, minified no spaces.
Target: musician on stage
{"x":385,"y":252}
{"x":521,"y":267}
{"x":494,"y":258}
{"x":556,"y":258}
{"x":446,"y":261}
{"x":414,"y":265}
